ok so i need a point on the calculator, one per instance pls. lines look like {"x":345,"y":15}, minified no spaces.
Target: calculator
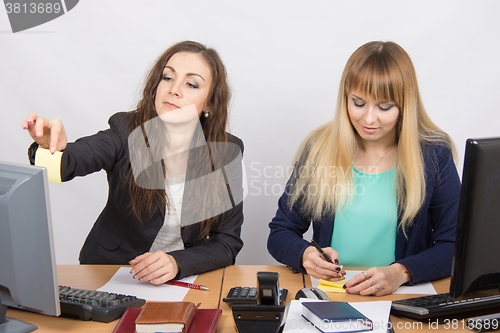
{"x":248,"y":295}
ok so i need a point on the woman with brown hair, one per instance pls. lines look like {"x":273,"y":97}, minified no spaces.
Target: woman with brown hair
{"x":175,"y":188}
{"x":378,"y":183}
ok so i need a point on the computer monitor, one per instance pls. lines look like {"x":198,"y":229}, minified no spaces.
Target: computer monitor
{"x":28,"y":277}
{"x":476,"y":266}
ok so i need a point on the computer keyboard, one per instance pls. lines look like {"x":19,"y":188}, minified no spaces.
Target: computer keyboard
{"x":441,"y":304}
{"x":95,"y":305}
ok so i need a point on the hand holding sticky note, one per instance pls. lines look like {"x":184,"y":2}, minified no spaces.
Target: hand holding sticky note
{"x":52,"y":162}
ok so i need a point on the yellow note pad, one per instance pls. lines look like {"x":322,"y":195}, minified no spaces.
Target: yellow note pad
{"x":332,"y":286}
{"x":44,"y":158}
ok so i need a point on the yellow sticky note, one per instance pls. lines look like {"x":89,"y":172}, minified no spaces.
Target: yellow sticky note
{"x":332,"y":286}
{"x":44,"y":158}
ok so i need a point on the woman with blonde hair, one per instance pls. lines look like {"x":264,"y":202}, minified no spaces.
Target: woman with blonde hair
{"x":378,"y":183}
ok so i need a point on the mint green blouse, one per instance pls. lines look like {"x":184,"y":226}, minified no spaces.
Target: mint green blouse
{"x":364,"y":232}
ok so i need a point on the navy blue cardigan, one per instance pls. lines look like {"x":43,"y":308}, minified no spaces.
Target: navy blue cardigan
{"x":427,"y":251}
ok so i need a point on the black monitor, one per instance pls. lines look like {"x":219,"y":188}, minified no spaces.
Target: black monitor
{"x":476,"y":266}
{"x":28,"y":277}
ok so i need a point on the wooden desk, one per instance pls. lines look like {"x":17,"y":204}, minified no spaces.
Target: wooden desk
{"x":220,"y":282}
{"x":401,"y":324}
{"x":95,"y":276}
{"x":243,"y":275}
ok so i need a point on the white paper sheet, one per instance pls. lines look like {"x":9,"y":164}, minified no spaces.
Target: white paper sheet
{"x":425,"y":288}
{"x":378,"y":312}
{"x":124,"y":283}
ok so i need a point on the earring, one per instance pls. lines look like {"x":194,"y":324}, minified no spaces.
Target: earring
{"x":206,"y":113}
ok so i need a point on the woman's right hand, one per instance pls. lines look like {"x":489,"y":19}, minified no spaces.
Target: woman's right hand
{"x":157,"y":268}
{"x":48,"y":133}
{"x":316,"y":266}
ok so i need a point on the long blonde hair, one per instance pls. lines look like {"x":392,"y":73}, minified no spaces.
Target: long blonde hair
{"x":322,"y":179}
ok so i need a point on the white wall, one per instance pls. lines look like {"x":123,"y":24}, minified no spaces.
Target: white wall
{"x":284,"y":60}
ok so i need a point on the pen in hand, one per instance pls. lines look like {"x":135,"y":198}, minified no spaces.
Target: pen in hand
{"x":320,"y":250}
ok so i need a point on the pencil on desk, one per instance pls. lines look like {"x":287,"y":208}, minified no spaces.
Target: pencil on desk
{"x":186,"y":285}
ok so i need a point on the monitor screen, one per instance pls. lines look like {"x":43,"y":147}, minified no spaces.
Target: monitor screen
{"x":28,"y":277}
{"x":475,"y":263}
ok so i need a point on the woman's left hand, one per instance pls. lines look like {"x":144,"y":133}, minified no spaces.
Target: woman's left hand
{"x":157,"y":267}
{"x":378,"y":281}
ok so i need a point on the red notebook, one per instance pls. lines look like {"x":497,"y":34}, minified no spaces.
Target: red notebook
{"x":126,"y":324}
{"x":204,"y":321}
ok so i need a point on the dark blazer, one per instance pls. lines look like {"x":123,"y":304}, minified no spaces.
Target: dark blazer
{"x":427,"y":251}
{"x":118,"y":236}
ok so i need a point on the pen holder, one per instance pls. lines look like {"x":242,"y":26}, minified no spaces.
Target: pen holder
{"x":251,"y":318}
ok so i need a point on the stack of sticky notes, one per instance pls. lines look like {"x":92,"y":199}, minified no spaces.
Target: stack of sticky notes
{"x":332,"y":286}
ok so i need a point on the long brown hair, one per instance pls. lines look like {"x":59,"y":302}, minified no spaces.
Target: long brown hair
{"x":144,"y":201}
{"x":384,"y":71}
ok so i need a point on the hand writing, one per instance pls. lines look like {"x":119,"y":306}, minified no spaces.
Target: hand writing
{"x":316,"y":266}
